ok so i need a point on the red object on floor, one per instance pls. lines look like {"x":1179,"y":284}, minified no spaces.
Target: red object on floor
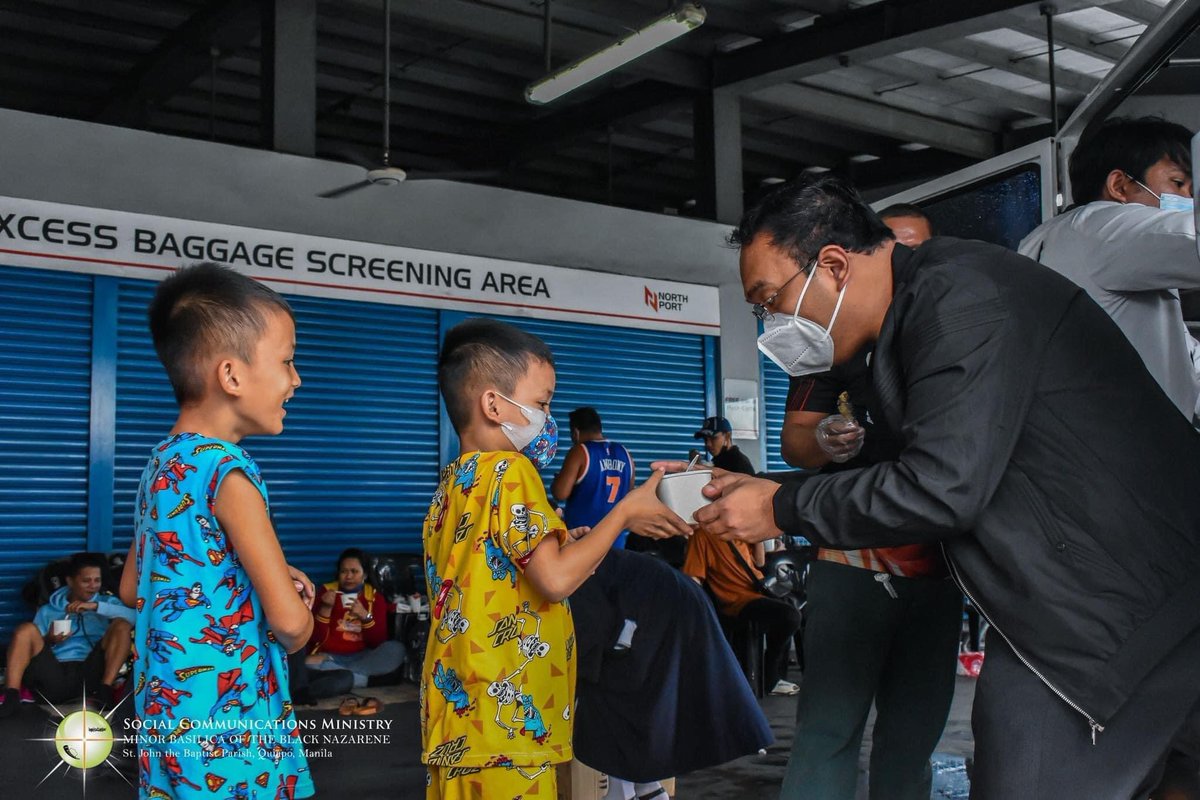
{"x":970,"y":663}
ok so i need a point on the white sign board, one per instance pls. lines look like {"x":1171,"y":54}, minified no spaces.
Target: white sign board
{"x":741,"y":407}
{"x":58,"y":236}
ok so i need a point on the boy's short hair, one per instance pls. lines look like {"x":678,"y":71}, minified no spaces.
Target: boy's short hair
{"x":1130,"y":145}
{"x":480,"y":353}
{"x":78,"y":562}
{"x":205,"y":310}
{"x":586,"y":420}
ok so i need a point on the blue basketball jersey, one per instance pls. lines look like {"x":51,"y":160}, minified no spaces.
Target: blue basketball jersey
{"x":606,"y":479}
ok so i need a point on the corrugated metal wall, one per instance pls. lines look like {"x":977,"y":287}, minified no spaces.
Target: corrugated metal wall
{"x":83,"y":400}
{"x":45,"y":400}
{"x":775,"y":389}
{"x":145,"y":407}
{"x":357,"y":461}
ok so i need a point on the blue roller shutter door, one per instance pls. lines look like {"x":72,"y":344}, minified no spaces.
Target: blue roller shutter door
{"x":648,"y":386}
{"x":775,"y":390}
{"x":357,"y":462}
{"x":45,"y":402}
{"x":146,"y":407}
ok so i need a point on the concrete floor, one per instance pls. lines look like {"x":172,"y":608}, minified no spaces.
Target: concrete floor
{"x":761,"y":776}
{"x":392,"y":770}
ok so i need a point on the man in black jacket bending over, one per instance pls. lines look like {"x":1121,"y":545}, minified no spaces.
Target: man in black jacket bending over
{"x":1060,"y":480}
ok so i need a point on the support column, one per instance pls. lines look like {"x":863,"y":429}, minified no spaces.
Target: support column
{"x":289,"y":76}
{"x":717,"y":122}
{"x":718,"y":148}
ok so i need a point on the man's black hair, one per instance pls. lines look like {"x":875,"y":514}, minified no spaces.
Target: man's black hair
{"x":906,"y":210}
{"x":481,"y":353}
{"x":353,"y":552}
{"x":81,"y":561}
{"x":205,"y":310}
{"x":586,"y":420}
{"x":1130,"y":145}
{"x":805,"y":214}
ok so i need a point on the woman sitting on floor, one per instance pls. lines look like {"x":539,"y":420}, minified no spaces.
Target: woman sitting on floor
{"x":350,"y":630}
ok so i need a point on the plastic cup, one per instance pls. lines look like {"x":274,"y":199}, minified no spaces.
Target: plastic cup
{"x":680,"y":492}
{"x":60,"y":627}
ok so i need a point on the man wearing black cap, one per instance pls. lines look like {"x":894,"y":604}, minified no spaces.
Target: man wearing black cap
{"x":717,"y":434}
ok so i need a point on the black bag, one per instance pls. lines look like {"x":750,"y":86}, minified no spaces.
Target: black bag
{"x":769,"y":585}
{"x":47,"y":580}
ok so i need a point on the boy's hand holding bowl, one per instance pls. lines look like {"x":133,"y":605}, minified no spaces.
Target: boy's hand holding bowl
{"x":742,"y":507}
{"x":647,"y":515}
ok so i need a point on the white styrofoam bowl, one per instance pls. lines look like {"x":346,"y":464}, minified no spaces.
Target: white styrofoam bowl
{"x":680,"y":492}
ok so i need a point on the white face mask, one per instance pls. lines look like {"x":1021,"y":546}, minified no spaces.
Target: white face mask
{"x":1168,"y":201}
{"x":538,"y":438}
{"x":799,"y":346}
{"x":521,"y":435}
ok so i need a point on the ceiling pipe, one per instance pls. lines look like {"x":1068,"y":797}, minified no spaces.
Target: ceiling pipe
{"x":1048,"y":11}
{"x":546,"y":34}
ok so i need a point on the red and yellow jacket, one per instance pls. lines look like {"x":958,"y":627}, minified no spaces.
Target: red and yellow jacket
{"x":342,"y":631}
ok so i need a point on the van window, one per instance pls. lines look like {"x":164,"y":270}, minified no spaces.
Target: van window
{"x":1001,"y":208}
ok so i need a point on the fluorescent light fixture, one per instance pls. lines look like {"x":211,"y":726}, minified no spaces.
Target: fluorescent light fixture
{"x":687,"y":17}
{"x":796,"y":20}
{"x":734,"y":42}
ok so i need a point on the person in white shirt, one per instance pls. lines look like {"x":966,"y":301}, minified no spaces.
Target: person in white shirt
{"x":1130,"y":241}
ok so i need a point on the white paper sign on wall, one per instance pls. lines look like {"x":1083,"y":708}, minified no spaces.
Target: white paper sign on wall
{"x":741,"y":407}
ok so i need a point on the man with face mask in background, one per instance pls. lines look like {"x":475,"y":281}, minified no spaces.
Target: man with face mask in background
{"x":1119,"y":245}
{"x":883,"y":624}
{"x":1074,"y":530}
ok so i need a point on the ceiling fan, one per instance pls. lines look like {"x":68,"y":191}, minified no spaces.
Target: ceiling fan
{"x":385,"y":174}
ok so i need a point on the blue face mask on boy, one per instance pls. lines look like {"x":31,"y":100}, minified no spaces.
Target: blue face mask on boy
{"x":1175,"y":202}
{"x":1168,"y":201}
{"x":537,"y":440}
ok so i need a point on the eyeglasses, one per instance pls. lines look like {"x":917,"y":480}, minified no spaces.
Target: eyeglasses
{"x":1144,"y":186}
{"x":761,"y":311}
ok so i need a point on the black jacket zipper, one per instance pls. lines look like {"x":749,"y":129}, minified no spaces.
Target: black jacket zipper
{"x":1096,"y":727}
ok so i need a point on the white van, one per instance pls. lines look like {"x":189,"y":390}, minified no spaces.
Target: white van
{"x":1004,"y":198}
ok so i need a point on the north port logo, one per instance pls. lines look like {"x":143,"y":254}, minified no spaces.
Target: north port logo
{"x":664,"y":301}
